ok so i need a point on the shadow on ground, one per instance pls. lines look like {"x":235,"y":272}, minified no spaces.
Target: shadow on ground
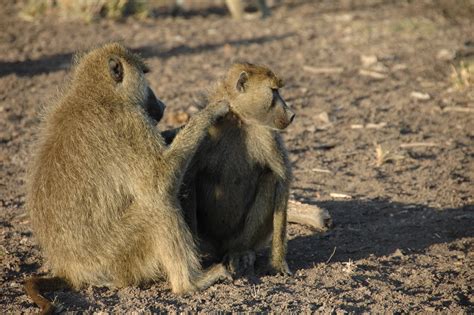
{"x":62,"y":61}
{"x":365,"y":228}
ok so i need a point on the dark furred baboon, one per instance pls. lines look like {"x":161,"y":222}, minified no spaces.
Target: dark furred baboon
{"x":102,"y":187}
{"x":237,"y":187}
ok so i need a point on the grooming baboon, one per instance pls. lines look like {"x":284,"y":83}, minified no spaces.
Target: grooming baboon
{"x":103,"y":188}
{"x":237,"y":186}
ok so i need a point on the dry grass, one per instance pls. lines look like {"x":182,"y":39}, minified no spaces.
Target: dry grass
{"x":456,"y":9}
{"x":383,"y":155}
{"x":462,"y":76}
{"x":88,"y":10}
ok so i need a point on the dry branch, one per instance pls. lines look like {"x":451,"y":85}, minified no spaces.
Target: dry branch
{"x":372,"y":74}
{"x":309,"y":215}
{"x":459,"y":109}
{"x":323,"y":70}
{"x":338,"y":195}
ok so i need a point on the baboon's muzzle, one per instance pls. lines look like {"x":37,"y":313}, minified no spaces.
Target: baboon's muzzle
{"x":154,"y":106}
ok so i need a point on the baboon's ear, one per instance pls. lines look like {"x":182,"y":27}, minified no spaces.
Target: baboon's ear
{"x":116,"y":69}
{"x":243,"y":78}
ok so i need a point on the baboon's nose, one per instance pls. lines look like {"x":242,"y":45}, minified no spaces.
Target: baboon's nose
{"x":292,"y":116}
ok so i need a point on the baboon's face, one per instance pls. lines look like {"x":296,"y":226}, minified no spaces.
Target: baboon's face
{"x":130,"y":81}
{"x":259,"y":101}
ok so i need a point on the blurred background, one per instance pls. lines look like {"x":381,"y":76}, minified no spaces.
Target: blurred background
{"x":383,"y":138}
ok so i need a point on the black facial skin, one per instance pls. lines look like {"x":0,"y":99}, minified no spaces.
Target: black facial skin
{"x":154,"y":107}
{"x":284,"y":114}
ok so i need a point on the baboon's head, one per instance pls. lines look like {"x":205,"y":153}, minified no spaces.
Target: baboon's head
{"x":255,"y":98}
{"x":116,"y":73}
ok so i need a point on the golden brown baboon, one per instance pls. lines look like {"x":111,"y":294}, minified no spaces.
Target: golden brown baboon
{"x":237,"y":186}
{"x":103,"y":188}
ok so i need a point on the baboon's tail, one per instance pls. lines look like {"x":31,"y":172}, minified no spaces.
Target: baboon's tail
{"x":34,"y":286}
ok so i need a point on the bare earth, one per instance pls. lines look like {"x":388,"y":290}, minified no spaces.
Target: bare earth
{"x":404,"y":240}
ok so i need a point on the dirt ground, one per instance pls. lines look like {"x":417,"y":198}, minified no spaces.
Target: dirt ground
{"x":360,"y":77}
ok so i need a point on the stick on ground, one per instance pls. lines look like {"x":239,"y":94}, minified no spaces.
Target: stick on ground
{"x":310,"y":215}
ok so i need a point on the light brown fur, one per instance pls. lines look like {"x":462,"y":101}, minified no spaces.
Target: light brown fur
{"x":237,"y":187}
{"x":102,"y":187}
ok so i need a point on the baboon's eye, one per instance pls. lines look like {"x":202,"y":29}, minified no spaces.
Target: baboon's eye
{"x":146,"y":70}
{"x":116,"y":69}
{"x":275,"y":97}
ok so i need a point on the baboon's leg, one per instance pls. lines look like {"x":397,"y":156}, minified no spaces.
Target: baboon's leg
{"x":236,"y":8}
{"x":36,"y":285}
{"x":174,"y":249}
{"x":259,"y":214}
{"x":258,"y":223}
{"x":262,"y":6}
{"x":177,"y":251}
{"x":270,"y":201}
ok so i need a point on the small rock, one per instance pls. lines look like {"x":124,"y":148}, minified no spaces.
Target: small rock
{"x":446,"y":54}
{"x":398,"y":253}
{"x":324,"y":117}
{"x":311,"y":128}
{"x":368,"y":60}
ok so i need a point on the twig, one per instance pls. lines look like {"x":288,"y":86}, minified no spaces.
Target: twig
{"x":376,"y":126}
{"x":302,"y":213}
{"x":418,"y":144}
{"x":459,"y":109}
{"x":320,"y":170}
{"x":372,"y":74}
{"x":330,"y":257}
{"x":338,"y":195}
{"x":323,"y":70}
{"x":369,"y":126}
{"x":420,"y":96}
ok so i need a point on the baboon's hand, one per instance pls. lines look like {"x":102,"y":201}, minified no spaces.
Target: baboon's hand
{"x":280,"y":268}
{"x":218,"y":109}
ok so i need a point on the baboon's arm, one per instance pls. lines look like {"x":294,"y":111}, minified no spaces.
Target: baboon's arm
{"x":182,"y":149}
{"x":279,"y":239}
{"x":259,"y":212}
{"x":270,"y":200}
{"x":189,"y":205}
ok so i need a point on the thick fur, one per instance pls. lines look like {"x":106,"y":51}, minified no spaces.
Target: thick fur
{"x":102,"y":187}
{"x":237,"y":188}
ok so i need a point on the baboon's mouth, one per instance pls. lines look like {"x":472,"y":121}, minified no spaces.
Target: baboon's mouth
{"x":282,"y":123}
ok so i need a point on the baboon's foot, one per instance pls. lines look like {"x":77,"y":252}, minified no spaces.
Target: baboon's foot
{"x":213,"y":274}
{"x":278,"y":267}
{"x":240,"y":263}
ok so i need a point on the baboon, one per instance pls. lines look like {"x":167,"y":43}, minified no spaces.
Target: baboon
{"x":102,"y":189}
{"x":237,"y":187}
{"x":236,"y":8}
